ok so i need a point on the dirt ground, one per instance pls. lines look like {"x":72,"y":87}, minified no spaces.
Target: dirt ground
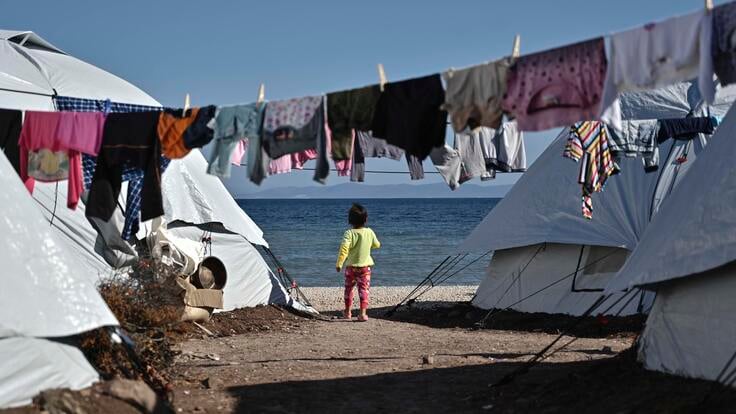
{"x":428,"y":359}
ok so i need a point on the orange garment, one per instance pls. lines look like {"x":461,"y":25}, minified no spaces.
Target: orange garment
{"x":171,"y":128}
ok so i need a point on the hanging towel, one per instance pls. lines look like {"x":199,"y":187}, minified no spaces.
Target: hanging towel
{"x":588,"y":145}
{"x":557,"y":87}
{"x":408,"y":115}
{"x":473,"y":95}
{"x":348,"y":110}
{"x":659,"y":54}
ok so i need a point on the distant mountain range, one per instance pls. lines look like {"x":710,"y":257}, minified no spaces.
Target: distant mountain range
{"x":354,"y":190}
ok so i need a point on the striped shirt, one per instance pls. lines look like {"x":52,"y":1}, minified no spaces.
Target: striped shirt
{"x":588,"y":141}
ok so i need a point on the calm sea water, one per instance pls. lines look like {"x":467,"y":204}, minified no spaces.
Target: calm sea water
{"x":416,"y":235}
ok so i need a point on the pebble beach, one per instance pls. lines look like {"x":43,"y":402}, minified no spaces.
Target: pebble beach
{"x":330,"y":298}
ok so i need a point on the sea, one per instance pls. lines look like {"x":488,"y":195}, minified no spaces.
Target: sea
{"x":416,"y":235}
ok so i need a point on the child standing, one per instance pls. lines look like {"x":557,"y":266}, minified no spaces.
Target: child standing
{"x":355,"y":254}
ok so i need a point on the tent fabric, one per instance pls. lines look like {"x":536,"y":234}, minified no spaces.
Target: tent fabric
{"x":45,"y":292}
{"x":544,"y":205}
{"x":39,"y":364}
{"x":192,"y":195}
{"x":696,"y":230}
{"x":249,"y":281}
{"x":516,"y":274}
{"x":691,"y":330}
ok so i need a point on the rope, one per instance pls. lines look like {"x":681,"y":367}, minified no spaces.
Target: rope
{"x":56,"y":198}
{"x":518,"y":276}
{"x":439,"y":282}
{"x":482,"y":322}
{"x":392,"y":311}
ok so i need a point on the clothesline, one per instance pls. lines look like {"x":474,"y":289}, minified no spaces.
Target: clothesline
{"x":367,"y":171}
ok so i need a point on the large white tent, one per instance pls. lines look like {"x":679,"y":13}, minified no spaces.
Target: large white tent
{"x":687,"y":256}
{"x":45,"y":294}
{"x":542,"y":243}
{"x":32,"y":71}
{"x":55,"y":295}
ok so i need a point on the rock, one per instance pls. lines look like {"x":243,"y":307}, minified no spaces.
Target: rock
{"x":607,"y":350}
{"x":427,"y":360}
{"x":137,"y":393}
{"x":60,"y":402}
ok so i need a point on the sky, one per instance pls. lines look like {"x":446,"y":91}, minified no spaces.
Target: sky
{"x":221,"y":51}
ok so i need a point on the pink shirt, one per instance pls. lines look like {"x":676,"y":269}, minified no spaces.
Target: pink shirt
{"x":75,"y":132}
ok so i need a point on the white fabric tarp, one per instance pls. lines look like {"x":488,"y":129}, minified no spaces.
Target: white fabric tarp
{"x":31,"y":365}
{"x":548,"y":270}
{"x":691,"y":330}
{"x":695,"y":230}
{"x":46,"y":292}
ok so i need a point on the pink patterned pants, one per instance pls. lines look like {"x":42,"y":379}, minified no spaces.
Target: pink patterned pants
{"x":360,"y":276}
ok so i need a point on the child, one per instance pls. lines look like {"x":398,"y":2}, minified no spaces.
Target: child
{"x":355,"y":253}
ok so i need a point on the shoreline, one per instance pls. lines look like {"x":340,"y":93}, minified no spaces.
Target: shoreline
{"x":331,"y":298}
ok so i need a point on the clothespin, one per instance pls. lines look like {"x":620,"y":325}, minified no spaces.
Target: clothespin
{"x":708,"y":5}
{"x":261,"y":94}
{"x":186,"y":106}
{"x":516,"y":48}
{"x":381,"y":76}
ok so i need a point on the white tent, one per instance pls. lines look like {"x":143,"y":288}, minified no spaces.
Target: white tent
{"x":45,"y":294}
{"x":688,"y":256}
{"x":542,"y":243}
{"x":31,"y":72}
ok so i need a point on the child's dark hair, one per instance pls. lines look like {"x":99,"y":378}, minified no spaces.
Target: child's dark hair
{"x":358,"y":215}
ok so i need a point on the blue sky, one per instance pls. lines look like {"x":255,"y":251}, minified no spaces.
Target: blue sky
{"x":220,"y":51}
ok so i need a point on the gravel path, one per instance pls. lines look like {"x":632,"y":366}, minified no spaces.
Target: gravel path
{"x":330,"y":298}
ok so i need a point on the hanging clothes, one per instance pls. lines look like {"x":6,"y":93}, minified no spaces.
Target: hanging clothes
{"x":685,"y":128}
{"x":51,"y":144}
{"x":10,"y":126}
{"x":416,"y":167}
{"x":171,"y":127}
{"x":723,"y":48}
{"x":408,"y":115}
{"x":232,"y":125}
{"x":588,"y":145}
{"x":368,"y":146}
{"x":557,"y":87}
{"x":293,"y":126}
{"x":344,"y":167}
{"x":461,"y":163}
{"x":132,"y":175}
{"x":637,"y":138}
{"x":129,"y":140}
{"x":346,"y":111}
{"x":503,"y":148}
{"x":659,"y":54}
{"x":473,"y":95}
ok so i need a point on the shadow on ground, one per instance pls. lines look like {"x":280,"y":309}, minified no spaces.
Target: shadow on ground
{"x":612,"y":385}
{"x":463,"y":315}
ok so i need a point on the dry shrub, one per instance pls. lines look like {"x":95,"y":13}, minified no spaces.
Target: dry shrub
{"x":148,"y":304}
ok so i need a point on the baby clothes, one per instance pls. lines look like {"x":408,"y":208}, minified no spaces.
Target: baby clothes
{"x":659,"y":54}
{"x":51,"y":144}
{"x":346,"y":111}
{"x":634,"y":138}
{"x":232,"y":125}
{"x":368,"y":146}
{"x":171,"y":127}
{"x":296,"y":125}
{"x":473,"y":95}
{"x":408,"y":115}
{"x":588,"y":144}
{"x":462,"y":163}
{"x":557,"y":87}
{"x":723,"y":48}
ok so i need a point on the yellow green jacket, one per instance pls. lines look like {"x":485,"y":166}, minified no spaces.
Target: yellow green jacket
{"x":355,"y":249}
